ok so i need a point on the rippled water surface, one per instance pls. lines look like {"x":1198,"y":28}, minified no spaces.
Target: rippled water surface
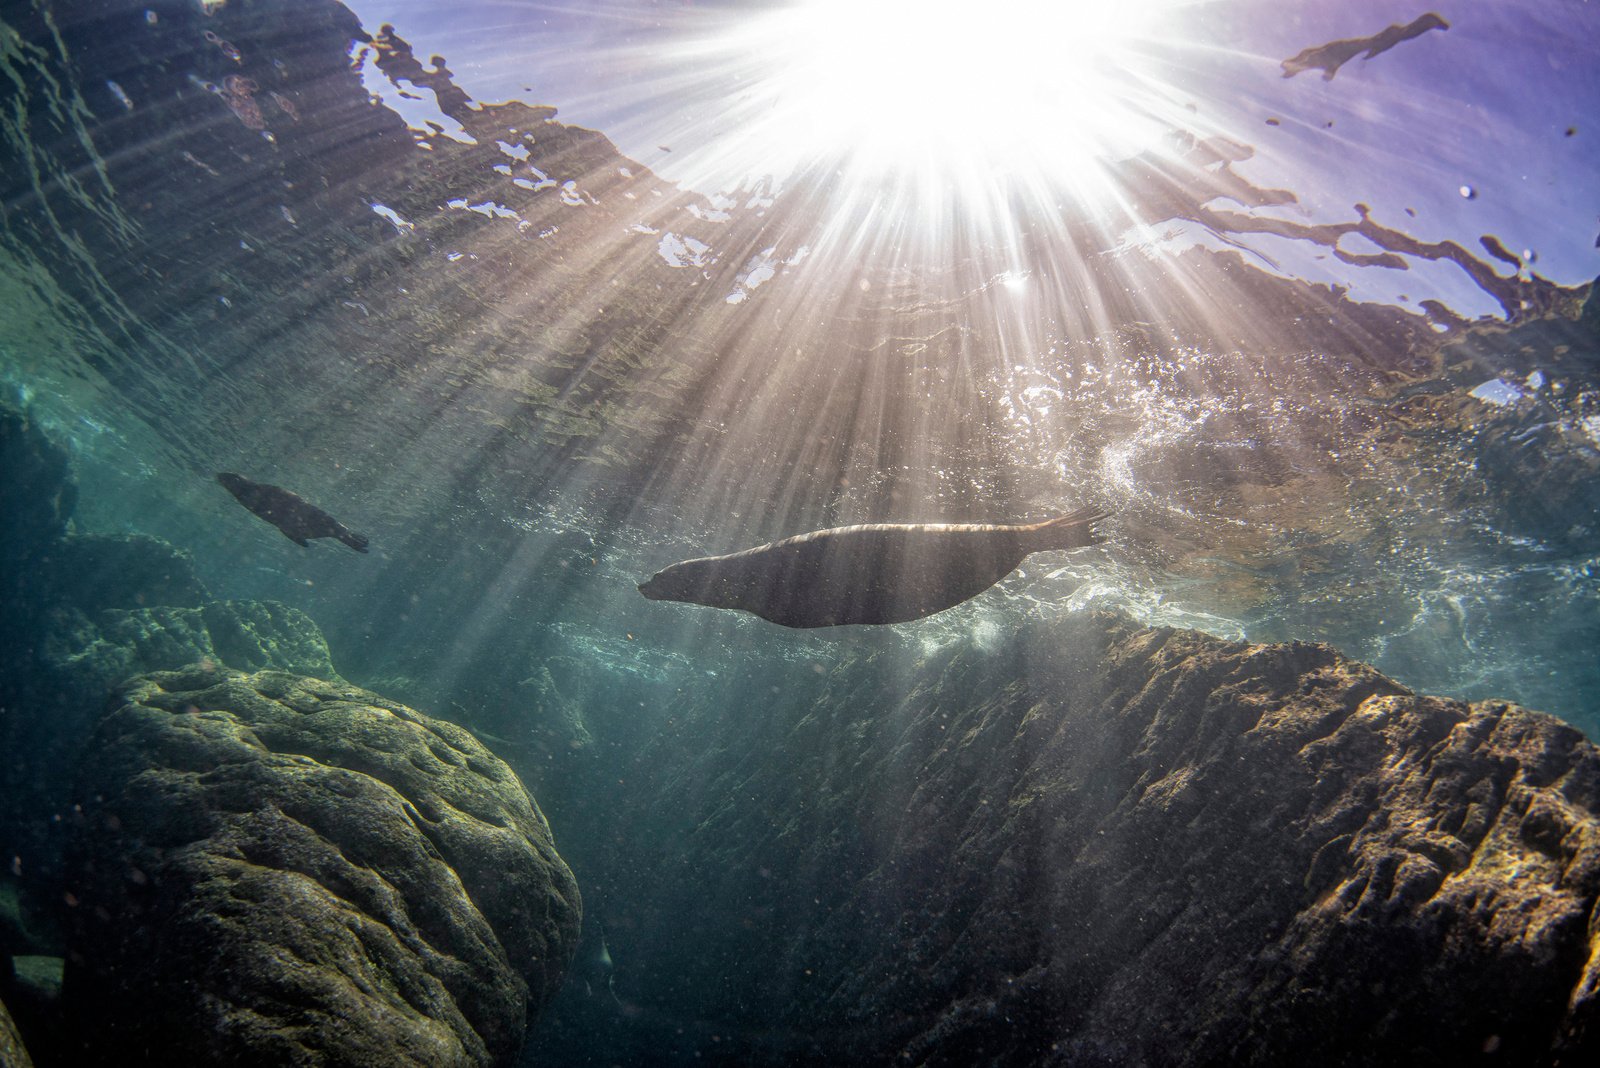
{"x":1319,"y":341}
{"x":541,"y":298}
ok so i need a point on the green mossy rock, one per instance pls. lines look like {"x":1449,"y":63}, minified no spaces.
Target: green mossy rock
{"x":114,"y":644}
{"x":50,"y":709}
{"x":276,"y":869}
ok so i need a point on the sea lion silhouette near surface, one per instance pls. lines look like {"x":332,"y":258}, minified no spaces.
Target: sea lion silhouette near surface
{"x":880,"y":573}
{"x":297,"y":518}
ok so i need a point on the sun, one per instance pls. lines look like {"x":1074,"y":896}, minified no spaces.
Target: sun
{"x":939,"y":87}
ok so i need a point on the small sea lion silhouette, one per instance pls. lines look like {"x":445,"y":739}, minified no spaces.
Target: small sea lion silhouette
{"x":1335,"y":54}
{"x":878,"y":573}
{"x":297,"y":518}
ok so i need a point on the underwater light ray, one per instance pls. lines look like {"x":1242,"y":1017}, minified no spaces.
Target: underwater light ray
{"x":909,"y":228}
{"x":932,"y":88}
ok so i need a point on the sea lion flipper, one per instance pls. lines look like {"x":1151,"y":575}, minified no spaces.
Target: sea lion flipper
{"x":358,"y":542}
{"x":1071,"y":531}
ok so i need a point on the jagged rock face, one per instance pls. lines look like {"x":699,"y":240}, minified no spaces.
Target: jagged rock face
{"x":13,"y":1054}
{"x":276,"y":869}
{"x":1107,"y":845}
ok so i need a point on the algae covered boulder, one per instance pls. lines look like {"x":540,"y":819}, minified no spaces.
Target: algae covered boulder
{"x":101,"y":650}
{"x":48,"y":709}
{"x":273,"y":868}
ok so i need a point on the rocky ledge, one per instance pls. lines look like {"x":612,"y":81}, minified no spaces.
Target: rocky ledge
{"x":277,"y":869}
{"x":12,"y":1053}
{"x":1107,"y":845}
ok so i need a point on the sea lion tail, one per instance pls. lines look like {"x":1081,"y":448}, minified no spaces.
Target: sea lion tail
{"x":358,"y":542}
{"x":1071,"y":531}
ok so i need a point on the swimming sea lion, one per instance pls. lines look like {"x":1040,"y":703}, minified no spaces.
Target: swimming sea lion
{"x":879,"y":573}
{"x":297,"y":518}
{"x":1335,"y":54}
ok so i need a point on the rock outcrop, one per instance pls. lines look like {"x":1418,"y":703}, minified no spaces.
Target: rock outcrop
{"x":93,"y":572}
{"x":37,"y":495}
{"x":53,"y":698}
{"x":272,"y":868}
{"x":106,"y":648}
{"x":13,"y":1054}
{"x":1106,"y":845}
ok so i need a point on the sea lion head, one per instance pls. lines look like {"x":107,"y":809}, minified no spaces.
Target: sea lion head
{"x":231,"y":482}
{"x":694,"y":581}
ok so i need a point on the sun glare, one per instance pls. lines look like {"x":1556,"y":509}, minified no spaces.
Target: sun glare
{"x":940,"y":86}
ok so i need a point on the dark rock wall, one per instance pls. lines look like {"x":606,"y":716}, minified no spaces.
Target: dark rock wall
{"x":276,"y":869}
{"x":1108,"y":845}
{"x":13,"y":1054}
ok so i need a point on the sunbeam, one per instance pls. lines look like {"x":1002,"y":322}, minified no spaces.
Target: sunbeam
{"x":948,"y":95}
{"x":855,"y":463}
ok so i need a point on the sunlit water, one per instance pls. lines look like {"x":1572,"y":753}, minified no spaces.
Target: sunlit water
{"x":1324,"y":347}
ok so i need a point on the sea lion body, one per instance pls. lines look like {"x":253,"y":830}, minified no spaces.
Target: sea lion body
{"x":878,"y":573}
{"x":299,"y":519}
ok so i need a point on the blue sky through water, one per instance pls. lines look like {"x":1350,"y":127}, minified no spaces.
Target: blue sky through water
{"x":1484,"y":128}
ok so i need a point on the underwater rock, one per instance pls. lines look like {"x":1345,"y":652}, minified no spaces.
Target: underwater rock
{"x":45,"y":567}
{"x":50,"y":704}
{"x":12,"y":1052}
{"x":77,"y":659}
{"x":272,"y":868}
{"x":558,"y":720}
{"x":37,"y":497}
{"x":52,"y":697}
{"x":37,"y":493}
{"x":92,"y":572}
{"x":16,"y":926}
{"x":1105,"y":845}
{"x":31,"y":989}
{"x":105,"y":649}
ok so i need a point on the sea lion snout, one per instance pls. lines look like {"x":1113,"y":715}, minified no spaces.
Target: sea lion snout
{"x":683,"y":582}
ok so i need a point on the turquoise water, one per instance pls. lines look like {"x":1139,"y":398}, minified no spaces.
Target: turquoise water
{"x":1326,"y":349}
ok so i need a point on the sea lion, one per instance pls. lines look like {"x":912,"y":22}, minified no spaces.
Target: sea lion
{"x":878,"y":573}
{"x":297,"y":518}
{"x":1335,"y":54}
